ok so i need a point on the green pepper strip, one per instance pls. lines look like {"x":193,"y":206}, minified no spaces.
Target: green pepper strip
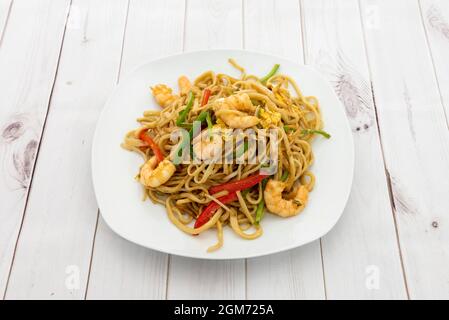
{"x":261,"y":205}
{"x":201,"y":118}
{"x":183,"y":114}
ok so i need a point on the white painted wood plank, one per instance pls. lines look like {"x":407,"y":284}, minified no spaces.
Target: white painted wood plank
{"x":294,"y":274}
{"x":124,"y":270}
{"x":57,"y":234}
{"x":5,"y":6}
{"x":206,"y":279}
{"x":415,"y":140}
{"x":209,"y":24}
{"x":28,"y":62}
{"x":213,"y":24}
{"x":435,"y":14}
{"x":275,"y":27}
{"x":364,"y":240}
{"x":121,"y":269}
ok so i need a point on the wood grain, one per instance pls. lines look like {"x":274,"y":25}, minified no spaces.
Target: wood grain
{"x":5,"y":9}
{"x":121,"y":269}
{"x":275,"y":27}
{"x":435,"y":15}
{"x":209,"y":25}
{"x":386,"y":60}
{"x":363,"y":243}
{"x":206,"y":279}
{"x":59,"y":225}
{"x":415,"y":141}
{"x":28,"y":61}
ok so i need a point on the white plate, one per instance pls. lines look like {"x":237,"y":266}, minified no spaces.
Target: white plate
{"x":119,"y":195}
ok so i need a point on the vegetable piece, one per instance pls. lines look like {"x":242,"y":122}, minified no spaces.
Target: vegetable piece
{"x":206,"y":96}
{"x":186,"y":125}
{"x":208,"y":212}
{"x":153,"y":145}
{"x":284,"y":176}
{"x":201,"y":118}
{"x":261,"y":205}
{"x":183,"y":114}
{"x":289,"y":129}
{"x":242,"y":151}
{"x":312,"y":131}
{"x":238,"y":185}
{"x":270,"y":74}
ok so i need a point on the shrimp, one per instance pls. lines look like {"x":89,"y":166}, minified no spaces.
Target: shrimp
{"x":284,"y":207}
{"x":208,"y":147}
{"x":237,"y":119}
{"x":184,"y":85}
{"x":153,"y":174}
{"x":240,"y":102}
{"x":234,"y":111}
{"x":163,"y":95}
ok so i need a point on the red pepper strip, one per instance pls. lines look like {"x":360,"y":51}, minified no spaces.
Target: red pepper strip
{"x":208,"y":212}
{"x":238,"y":185}
{"x":153,"y":145}
{"x":205,"y":97}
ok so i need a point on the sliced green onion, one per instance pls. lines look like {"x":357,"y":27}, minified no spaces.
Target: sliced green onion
{"x":289,"y":129}
{"x":270,"y":74}
{"x":312,"y":131}
{"x":183,"y":114}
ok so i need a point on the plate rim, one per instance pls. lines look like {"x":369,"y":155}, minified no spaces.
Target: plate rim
{"x":201,"y":256}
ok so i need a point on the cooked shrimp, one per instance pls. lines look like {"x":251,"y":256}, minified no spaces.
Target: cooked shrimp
{"x":163,"y":95}
{"x":236,"y":111}
{"x":240,"y":102}
{"x":284,"y":207}
{"x":153,"y":174}
{"x":208,"y":147}
{"x":184,"y":85}
{"x":237,"y":119}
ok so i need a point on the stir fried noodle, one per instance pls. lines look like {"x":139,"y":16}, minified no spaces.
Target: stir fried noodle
{"x":223,"y":150}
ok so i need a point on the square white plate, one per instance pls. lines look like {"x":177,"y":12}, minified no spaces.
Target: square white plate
{"x":144,"y":223}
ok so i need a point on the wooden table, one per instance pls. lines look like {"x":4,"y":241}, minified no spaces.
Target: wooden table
{"x":388,"y":63}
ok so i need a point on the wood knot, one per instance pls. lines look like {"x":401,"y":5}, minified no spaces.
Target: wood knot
{"x":13,"y":131}
{"x":23,"y":161}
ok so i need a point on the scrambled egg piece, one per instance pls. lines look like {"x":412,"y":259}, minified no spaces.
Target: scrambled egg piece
{"x":220,"y":124}
{"x":268,"y":117}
